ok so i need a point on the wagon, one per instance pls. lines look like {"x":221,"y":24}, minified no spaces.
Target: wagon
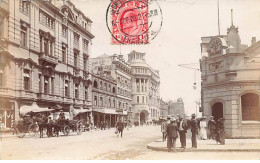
{"x":66,"y":126}
{"x":29,"y":123}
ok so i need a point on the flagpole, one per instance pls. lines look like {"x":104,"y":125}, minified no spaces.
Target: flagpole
{"x":218,"y":20}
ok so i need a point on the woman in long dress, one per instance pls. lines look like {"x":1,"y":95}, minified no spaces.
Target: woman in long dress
{"x":203,"y":130}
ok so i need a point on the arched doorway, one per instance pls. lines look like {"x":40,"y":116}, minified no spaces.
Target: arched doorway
{"x":142,"y":117}
{"x":217,"y":110}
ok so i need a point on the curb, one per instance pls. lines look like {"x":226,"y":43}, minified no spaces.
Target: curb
{"x":202,"y":150}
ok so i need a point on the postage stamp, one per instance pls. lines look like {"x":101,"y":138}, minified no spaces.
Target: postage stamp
{"x":132,"y":21}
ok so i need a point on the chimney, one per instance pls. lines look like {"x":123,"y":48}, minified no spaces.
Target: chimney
{"x":253,"y":41}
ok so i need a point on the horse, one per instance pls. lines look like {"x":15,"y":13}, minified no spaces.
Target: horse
{"x":42,"y":123}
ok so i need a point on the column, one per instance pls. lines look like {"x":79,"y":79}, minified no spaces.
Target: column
{"x":110,"y":120}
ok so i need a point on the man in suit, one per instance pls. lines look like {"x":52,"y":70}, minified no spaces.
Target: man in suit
{"x":212,"y":127}
{"x":120,"y":128}
{"x":172,"y":135}
{"x":194,"y":130}
{"x":183,"y":127}
{"x":163,"y":130}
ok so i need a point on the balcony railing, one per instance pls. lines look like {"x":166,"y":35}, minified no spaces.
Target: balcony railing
{"x":48,"y":58}
{"x":49,"y":97}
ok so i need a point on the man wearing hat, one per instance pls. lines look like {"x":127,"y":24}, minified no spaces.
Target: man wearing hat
{"x":194,"y":130}
{"x":164,"y":129}
{"x":211,"y":127}
{"x":172,"y":135}
{"x":168,"y":121}
{"x":183,"y":127}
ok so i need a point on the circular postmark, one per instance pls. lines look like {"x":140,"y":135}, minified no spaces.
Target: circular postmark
{"x":133,"y":21}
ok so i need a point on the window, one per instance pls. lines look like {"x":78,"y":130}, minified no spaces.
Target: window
{"x":137,"y":99}
{"x":100,"y":85}
{"x":86,"y":93}
{"x":26,"y":79}
{"x":85,"y":44}
{"x":45,"y":47}
{"x":101,"y":101}
{"x":106,"y":86}
{"x":23,"y":36}
{"x":95,"y":100}
{"x":114,"y":90}
{"x":76,"y":39}
{"x":143,"y":99}
{"x":85,"y":62}
{"x":46,"y":84}
{"x":46,"y":19}
{"x":64,"y":53}
{"x":24,"y":6}
{"x":66,"y":88}
{"x":51,"y":48}
{"x":109,"y":88}
{"x":110,"y":104}
{"x":119,"y":105}
{"x":77,"y":90}
{"x":64,"y":31}
{"x":76,"y":53}
{"x":95,"y":84}
{"x":114,"y":103}
{"x":250,"y":107}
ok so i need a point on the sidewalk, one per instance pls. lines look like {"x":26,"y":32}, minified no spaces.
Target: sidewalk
{"x":234,"y":145}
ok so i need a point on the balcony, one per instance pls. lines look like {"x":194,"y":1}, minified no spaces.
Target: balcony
{"x":48,"y":97}
{"x":87,"y":103}
{"x":67,"y":100}
{"x":48,"y":58}
{"x":77,"y":101}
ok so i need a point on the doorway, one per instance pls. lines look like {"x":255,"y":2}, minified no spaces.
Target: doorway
{"x":217,"y":110}
{"x":142,"y":118}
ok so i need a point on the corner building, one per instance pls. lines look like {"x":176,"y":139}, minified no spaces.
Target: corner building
{"x":231,"y":83}
{"x":45,"y":50}
{"x":145,"y":89}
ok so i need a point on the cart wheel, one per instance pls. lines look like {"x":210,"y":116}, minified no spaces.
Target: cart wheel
{"x":66,"y":130}
{"x":33,"y":130}
{"x":79,"y":129}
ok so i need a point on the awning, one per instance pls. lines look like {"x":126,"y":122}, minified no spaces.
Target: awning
{"x":34,"y":108}
{"x":79,"y":111}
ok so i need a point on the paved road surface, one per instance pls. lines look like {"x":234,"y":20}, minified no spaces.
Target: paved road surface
{"x":102,"y":145}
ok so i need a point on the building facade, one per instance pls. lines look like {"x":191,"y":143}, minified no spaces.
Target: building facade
{"x":163,"y":109}
{"x":121,"y":72}
{"x":231,"y":83}
{"x":104,"y":97}
{"x":145,"y":89}
{"x":45,"y":52}
{"x":176,"y":107}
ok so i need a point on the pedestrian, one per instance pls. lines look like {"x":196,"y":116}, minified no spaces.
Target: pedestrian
{"x":120,"y":128}
{"x":211,"y":127}
{"x":168,"y":119}
{"x":172,"y":135}
{"x":194,"y":130}
{"x":183,"y":127}
{"x":220,"y":130}
{"x":163,"y":129}
{"x":203,"y":130}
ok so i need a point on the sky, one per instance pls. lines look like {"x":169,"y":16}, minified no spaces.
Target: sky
{"x":178,"y":42}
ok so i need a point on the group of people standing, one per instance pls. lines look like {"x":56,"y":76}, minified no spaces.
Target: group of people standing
{"x":172,"y":126}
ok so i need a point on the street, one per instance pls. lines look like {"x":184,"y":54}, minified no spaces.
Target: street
{"x":104,"y":145}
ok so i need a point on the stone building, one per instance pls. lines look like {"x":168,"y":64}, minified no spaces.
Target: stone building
{"x":104,"y":97}
{"x":176,"y":107}
{"x":145,"y":89}
{"x":45,"y":50}
{"x":121,"y":72}
{"x":231,"y":82}
{"x":164,"y":106}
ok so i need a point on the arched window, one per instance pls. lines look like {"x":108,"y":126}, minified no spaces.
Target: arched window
{"x":114,"y":90}
{"x":95,"y":84}
{"x":100,"y":85}
{"x":250,"y":107}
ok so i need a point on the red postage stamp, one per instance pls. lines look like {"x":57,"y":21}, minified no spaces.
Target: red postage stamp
{"x":129,"y":22}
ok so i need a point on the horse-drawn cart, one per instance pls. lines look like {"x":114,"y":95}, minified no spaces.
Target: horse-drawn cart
{"x":66,"y":126}
{"x":29,"y":123}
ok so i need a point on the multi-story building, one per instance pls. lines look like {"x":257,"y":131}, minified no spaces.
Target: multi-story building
{"x":121,"y":72}
{"x":145,"y":89}
{"x":176,"y":107}
{"x":164,"y":106}
{"x":231,"y":82}
{"x":45,"y":52}
{"x":104,"y":97}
